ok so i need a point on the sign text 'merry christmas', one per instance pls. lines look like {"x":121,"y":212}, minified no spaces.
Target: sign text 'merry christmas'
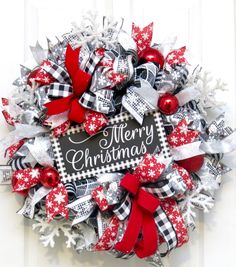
{"x":110,"y":146}
{"x":120,"y":145}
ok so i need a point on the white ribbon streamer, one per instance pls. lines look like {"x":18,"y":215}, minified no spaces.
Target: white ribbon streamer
{"x":187,"y":94}
{"x":228,"y":144}
{"x":187,"y":151}
{"x":40,"y":194}
{"x":21,"y":131}
{"x":58,"y":119}
{"x":39,"y":151}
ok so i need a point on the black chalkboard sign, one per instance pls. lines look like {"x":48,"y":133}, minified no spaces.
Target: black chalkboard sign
{"x":120,"y":145}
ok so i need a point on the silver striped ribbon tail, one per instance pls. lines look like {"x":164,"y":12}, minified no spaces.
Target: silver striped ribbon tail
{"x":83,"y":207}
{"x":120,"y":255}
{"x":28,"y":209}
{"x":134,"y":55}
{"x":113,"y":53}
{"x":59,"y":90}
{"x":92,"y":62}
{"x":155,"y":260}
{"x":71,"y":191}
{"x":57,"y":72}
{"x":5,"y":174}
{"x":86,"y":186}
{"x":158,"y":78}
{"x":166,"y":229}
{"x":40,"y":97}
{"x":18,"y":164}
{"x":183,"y":72}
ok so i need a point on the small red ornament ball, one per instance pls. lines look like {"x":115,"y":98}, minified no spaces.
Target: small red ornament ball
{"x":152,"y":55}
{"x":168,"y":104}
{"x":49,"y":177}
{"x":193,"y":164}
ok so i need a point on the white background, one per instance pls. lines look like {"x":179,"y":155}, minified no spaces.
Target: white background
{"x":208,"y":29}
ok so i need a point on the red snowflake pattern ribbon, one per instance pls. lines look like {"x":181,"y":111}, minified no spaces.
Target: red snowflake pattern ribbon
{"x":56,"y":202}
{"x":10,"y":152}
{"x":40,"y":75}
{"x":176,"y":57}
{"x":181,"y":135}
{"x":94,"y":122}
{"x":142,"y":37}
{"x":149,"y":170}
{"x":172,"y":211}
{"x":100,"y":198}
{"x":108,"y":238}
{"x":61,"y":129}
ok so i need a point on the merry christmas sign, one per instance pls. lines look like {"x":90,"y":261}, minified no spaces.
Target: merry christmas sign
{"x":120,"y":145}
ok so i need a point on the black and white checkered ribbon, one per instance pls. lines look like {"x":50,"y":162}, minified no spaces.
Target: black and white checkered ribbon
{"x":165,"y":227}
{"x":59,"y":90}
{"x":100,"y":101}
{"x":57,"y":72}
{"x":92,"y":62}
{"x":63,"y":88}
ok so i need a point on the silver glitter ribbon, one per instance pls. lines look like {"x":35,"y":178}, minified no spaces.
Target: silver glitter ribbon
{"x":5,"y":174}
{"x":84,"y":207}
{"x":34,"y":197}
{"x":219,"y":139}
{"x":169,"y":81}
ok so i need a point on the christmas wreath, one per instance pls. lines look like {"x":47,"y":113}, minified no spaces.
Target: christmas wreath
{"x":111,"y":144}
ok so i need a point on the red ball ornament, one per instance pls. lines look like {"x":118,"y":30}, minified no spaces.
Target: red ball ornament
{"x":168,"y":104}
{"x":193,"y":164}
{"x":152,"y":55}
{"x":49,"y":177}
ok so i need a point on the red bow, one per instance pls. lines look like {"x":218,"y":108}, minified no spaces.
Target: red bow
{"x":80,"y":82}
{"x":144,"y":204}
